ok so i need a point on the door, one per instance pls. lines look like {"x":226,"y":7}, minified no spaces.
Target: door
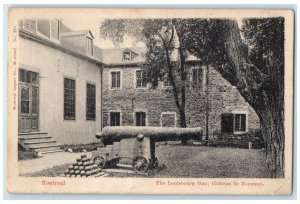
{"x":28,"y":101}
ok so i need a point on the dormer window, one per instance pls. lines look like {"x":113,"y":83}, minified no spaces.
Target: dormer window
{"x":126,"y":55}
{"x":89,"y":46}
{"x":54,"y":29}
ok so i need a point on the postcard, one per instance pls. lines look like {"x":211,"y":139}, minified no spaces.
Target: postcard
{"x":150,"y":101}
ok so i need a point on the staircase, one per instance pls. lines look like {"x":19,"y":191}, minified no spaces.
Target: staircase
{"x":39,"y":142}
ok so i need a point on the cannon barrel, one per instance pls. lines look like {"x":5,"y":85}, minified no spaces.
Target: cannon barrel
{"x":156,"y":134}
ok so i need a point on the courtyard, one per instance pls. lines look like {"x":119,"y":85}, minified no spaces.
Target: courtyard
{"x":176,"y":161}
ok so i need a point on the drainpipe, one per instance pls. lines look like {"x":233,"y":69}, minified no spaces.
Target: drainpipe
{"x":207,"y":106}
{"x":101,"y":94}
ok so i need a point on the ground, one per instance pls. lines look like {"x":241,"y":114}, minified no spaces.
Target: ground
{"x":175,"y":161}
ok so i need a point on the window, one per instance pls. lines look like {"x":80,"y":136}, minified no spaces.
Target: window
{"x":28,"y":77}
{"x":140,"y":79}
{"x":197,"y":76}
{"x":168,"y":119}
{"x":115,"y":119}
{"x":240,"y":122}
{"x":233,"y":123}
{"x":69,"y":99}
{"x":126,"y":56}
{"x":90,"y":102}
{"x":89,"y":45}
{"x":140,"y":118}
{"x":116,"y":79}
{"x":54,"y":29}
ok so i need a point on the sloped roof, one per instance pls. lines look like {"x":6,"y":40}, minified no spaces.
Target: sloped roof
{"x":78,"y":32}
{"x":114,"y":56}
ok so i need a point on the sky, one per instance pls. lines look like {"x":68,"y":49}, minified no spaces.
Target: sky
{"x":94,"y":26}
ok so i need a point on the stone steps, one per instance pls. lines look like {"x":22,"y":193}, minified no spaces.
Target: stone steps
{"x":39,"y":141}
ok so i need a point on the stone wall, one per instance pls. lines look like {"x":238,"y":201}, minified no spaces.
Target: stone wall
{"x":223,"y":98}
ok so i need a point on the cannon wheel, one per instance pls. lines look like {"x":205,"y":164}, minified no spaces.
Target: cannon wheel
{"x":100,"y":161}
{"x":140,"y":164}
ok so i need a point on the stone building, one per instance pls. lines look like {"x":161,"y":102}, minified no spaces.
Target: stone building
{"x":129,"y":100}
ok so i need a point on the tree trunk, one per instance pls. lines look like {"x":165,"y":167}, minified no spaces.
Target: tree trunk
{"x":265,"y":93}
{"x":273,"y":133}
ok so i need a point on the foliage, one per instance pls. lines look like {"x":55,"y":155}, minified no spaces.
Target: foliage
{"x":26,"y":154}
{"x":82,"y":147}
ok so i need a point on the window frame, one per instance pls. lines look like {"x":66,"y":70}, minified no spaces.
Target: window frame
{"x":52,"y":38}
{"x":109,"y":117}
{"x":95,"y":103}
{"x":130,"y":56}
{"x":234,"y":113}
{"x":135,"y":79}
{"x":135,"y":117}
{"x":203,"y":80}
{"x":74,"y":79}
{"x":110,"y":79}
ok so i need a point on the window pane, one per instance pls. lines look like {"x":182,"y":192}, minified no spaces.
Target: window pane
{"x":25,"y":107}
{"x":69,"y":99}
{"x":140,"y":119}
{"x":240,"y":122}
{"x":140,"y":79}
{"x":114,"y":119}
{"x":90,"y":102}
{"x":34,"y":78}
{"x":126,"y":56}
{"x":89,"y":42}
{"x":197,"y":76}
{"x":115,"y":79}
{"x":54,"y":29}
{"x":22,"y":75}
{"x":35,"y":100}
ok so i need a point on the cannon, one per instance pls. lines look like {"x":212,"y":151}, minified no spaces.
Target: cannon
{"x":137,"y":144}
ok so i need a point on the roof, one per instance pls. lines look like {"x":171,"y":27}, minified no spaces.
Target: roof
{"x":78,"y":32}
{"x":114,"y":56}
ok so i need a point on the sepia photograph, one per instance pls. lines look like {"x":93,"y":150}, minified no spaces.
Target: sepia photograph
{"x":140,"y":101}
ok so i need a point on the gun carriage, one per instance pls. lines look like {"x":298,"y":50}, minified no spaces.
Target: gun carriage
{"x":137,"y":144}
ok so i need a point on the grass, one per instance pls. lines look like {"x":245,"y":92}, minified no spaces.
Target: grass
{"x":197,"y":162}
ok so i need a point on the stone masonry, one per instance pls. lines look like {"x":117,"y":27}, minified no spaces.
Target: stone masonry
{"x":223,"y":98}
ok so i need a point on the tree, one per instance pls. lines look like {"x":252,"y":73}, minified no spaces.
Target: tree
{"x":164,"y":39}
{"x":255,"y":65}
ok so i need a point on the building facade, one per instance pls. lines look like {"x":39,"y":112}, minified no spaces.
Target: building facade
{"x":59,"y":84}
{"x":129,"y":100}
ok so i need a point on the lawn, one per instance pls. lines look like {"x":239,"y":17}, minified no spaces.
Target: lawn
{"x":198,"y":162}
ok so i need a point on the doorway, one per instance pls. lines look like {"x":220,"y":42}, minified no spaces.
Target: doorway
{"x":28,"y":101}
